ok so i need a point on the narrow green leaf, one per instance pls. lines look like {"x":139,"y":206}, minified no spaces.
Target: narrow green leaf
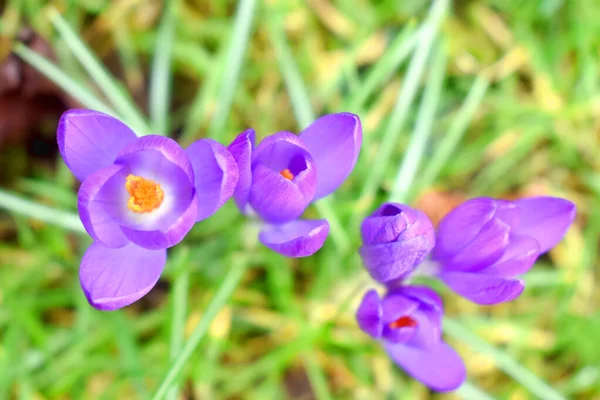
{"x":200,"y":105}
{"x":472,"y":392}
{"x":115,"y":93}
{"x":129,"y":352}
{"x":293,"y":80}
{"x":134,"y":75}
{"x":160,"y":81}
{"x":179,"y":311}
{"x":317,"y":378}
{"x":398,"y":51}
{"x":240,"y":37}
{"x":65,"y":82}
{"x":418,"y":141}
{"x":525,"y":377}
{"x":231,"y":281}
{"x":28,"y":208}
{"x":405,"y":98}
{"x":457,"y":129}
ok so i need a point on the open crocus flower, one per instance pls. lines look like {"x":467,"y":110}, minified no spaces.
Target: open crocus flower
{"x":481,"y":247}
{"x":138,"y":197}
{"x":408,"y":323}
{"x":484,"y":244}
{"x":286,"y":172}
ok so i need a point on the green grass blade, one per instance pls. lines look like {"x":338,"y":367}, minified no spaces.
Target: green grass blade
{"x":293,"y":80}
{"x":405,"y":98}
{"x":134,"y":75}
{"x":115,"y":93}
{"x":456,"y":131}
{"x":398,"y":52}
{"x":129,"y":352}
{"x":200,"y":105}
{"x":317,"y":378}
{"x":241,"y":35}
{"x":418,"y":141}
{"x":64,"y":81}
{"x":305,"y":115}
{"x":231,"y":281}
{"x":160,"y":81}
{"x":28,"y":208}
{"x":179,"y":308}
{"x":525,"y":377}
{"x":470,"y":392}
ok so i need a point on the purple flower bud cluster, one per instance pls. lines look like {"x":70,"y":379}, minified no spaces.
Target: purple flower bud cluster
{"x":479,"y":250}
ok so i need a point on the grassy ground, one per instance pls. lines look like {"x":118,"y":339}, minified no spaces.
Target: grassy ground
{"x":492,"y":97}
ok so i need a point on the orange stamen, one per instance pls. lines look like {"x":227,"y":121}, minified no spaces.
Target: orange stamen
{"x":287,"y":174}
{"x":403,"y":322}
{"x":146,"y":195}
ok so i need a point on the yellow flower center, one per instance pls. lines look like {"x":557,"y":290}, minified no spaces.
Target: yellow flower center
{"x":145,"y":194}
{"x":287,"y":174}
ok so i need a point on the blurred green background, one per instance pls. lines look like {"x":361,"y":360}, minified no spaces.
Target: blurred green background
{"x":457,"y":99}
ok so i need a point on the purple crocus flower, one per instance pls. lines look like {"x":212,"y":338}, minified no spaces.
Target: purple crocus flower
{"x":138,"y":197}
{"x":285,"y":173}
{"x":480,"y":247}
{"x":484,"y":244}
{"x":408,"y":324}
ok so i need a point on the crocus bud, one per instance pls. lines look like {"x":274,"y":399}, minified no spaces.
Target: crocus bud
{"x":482,"y":245}
{"x":396,"y":239}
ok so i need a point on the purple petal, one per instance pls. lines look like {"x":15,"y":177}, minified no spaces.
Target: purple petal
{"x":461,"y":225}
{"x":398,"y":335}
{"x":167,"y":237}
{"x":216,"y":174}
{"x":429,"y":328}
{"x":424,"y":295}
{"x":334,"y":142}
{"x":114,"y":278}
{"x":95,"y":193}
{"x":394,"y":222}
{"x":369,"y":313}
{"x":483,"y":289}
{"x":428,"y":313}
{"x":508,"y":212}
{"x":438,"y":367}
{"x":241,"y":150}
{"x":378,"y":230}
{"x":391,"y":261}
{"x":485,"y":248}
{"x":395,"y":305}
{"x":277,"y":199}
{"x":519,"y":256}
{"x":300,"y":238}
{"x":90,"y":140}
{"x":546,"y":219}
{"x":151,"y":153}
